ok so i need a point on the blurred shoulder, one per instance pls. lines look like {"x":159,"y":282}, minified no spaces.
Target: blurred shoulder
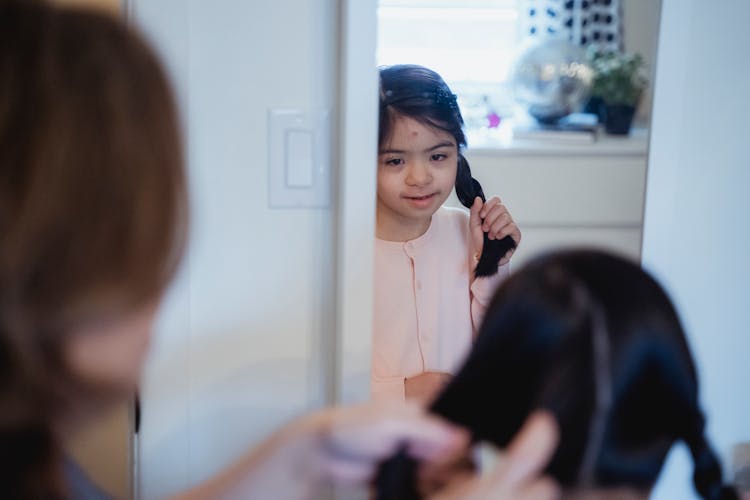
{"x":453,"y":215}
{"x":453,"y":220}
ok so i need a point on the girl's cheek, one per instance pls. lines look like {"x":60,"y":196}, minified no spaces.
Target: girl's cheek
{"x":389,"y":174}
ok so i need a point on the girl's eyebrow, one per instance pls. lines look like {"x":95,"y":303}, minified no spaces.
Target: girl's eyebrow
{"x":444,"y":144}
{"x":391,"y":151}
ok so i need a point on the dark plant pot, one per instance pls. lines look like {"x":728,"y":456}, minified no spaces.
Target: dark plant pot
{"x":594,"y":106}
{"x":618,"y":118}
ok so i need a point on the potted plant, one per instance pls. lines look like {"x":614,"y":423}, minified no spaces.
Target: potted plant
{"x":619,"y":80}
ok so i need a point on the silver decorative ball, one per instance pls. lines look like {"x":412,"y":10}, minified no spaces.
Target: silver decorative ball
{"x":552,"y":79}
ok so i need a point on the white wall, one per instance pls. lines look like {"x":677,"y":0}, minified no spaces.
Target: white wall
{"x":245,"y":330}
{"x":697,"y":234}
{"x":641,"y":33}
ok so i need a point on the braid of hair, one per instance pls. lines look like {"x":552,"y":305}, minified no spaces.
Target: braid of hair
{"x":467,"y":189}
{"x":707,"y":476}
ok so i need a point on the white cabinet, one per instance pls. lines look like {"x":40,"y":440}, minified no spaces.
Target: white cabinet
{"x":564,"y":195}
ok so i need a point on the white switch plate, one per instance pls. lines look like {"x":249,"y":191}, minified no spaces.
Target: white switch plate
{"x":299,"y":159}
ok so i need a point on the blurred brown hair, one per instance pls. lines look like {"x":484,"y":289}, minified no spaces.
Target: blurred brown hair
{"x":93,"y":210}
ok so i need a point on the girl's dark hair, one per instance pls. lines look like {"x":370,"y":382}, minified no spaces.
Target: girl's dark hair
{"x":419,"y":93}
{"x":595,"y":340}
{"x":93,"y":213}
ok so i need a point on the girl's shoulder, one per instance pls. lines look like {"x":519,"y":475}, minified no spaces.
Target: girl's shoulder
{"x":453,"y":215}
{"x":453,"y":221}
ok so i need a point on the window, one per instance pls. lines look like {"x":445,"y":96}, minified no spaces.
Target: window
{"x":471,"y":43}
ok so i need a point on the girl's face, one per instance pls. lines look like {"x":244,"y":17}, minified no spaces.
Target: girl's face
{"x":416,"y":174}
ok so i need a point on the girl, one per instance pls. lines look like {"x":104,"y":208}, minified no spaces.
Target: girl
{"x":435,"y":267}
{"x":596,"y":341}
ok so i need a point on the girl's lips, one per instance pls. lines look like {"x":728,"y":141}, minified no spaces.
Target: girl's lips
{"x":423,"y":201}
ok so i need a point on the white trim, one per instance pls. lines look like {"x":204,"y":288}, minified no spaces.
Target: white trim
{"x":356,"y":198}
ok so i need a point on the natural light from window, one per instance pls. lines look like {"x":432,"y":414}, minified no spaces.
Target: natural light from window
{"x":471,"y":43}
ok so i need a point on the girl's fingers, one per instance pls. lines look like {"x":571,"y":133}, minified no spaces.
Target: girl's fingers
{"x":515,"y":234}
{"x":492,"y":216}
{"x":492,"y":202}
{"x":501,"y":223}
{"x":510,"y":229}
{"x":475,"y":228}
{"x":494,"y":219}
{"x":475,"y":219}
{"x":506,"y":257}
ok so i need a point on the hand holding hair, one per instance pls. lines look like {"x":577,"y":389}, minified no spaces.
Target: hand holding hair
{"x":343,"y":445}
{"x":492,"y":252}
{"x":493,"y":220}
{"x":517,"y":475}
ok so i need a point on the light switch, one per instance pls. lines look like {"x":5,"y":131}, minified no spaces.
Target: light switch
{"x":299,"y":158}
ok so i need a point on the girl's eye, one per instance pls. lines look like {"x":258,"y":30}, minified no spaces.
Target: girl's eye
{"x":394,"y":162}
{"x":438,"y":156}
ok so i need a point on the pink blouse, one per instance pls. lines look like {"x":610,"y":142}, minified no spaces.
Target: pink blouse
{"x":427,"y":307}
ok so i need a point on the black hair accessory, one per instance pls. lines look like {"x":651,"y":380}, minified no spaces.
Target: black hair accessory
{"x":440,"y":95}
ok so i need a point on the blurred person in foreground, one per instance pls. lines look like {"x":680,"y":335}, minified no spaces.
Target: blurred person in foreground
{"x":93,"y":224}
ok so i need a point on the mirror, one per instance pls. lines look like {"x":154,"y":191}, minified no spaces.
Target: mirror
{"x":560,"y":188}
{"x":563,"y":187}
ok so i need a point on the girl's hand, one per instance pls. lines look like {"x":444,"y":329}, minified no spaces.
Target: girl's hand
{"x":425,"y":386}
{"x":494,"y":219}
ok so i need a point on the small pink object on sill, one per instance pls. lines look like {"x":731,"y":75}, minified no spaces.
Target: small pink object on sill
{"x":493,"y":119}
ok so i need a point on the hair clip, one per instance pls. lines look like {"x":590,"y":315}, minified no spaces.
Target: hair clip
{"x":444,"y":96}
{"x":440,"y":96}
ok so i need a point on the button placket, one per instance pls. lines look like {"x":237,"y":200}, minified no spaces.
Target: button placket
{"x":410,"y":253}
{"x":425,"y":340}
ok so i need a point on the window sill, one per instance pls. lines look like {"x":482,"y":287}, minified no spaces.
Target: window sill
{"x":500,"y":142}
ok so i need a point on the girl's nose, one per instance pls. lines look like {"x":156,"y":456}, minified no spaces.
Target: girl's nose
{"x":419,"y":174}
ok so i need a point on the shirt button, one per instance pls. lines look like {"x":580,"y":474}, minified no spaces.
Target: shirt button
{"x":419,"y":285}
{"x":408,"y":251}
